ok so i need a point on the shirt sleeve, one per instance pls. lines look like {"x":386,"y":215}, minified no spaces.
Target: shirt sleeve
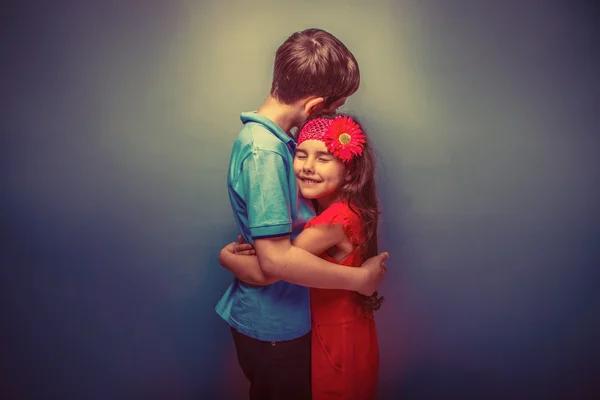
{"x":266,"y":185}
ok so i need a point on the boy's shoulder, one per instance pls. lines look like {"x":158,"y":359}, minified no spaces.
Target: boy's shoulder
{"x":256,"y":136}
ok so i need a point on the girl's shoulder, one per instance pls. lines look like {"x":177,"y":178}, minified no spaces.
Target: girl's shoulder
{"x":340,"y":213}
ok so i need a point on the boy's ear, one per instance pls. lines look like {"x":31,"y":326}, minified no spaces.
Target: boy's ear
{"x":314,"y":105}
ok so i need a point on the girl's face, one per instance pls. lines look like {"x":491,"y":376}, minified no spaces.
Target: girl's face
{"x":319,"y":174}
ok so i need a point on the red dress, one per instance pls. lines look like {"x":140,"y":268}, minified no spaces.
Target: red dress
{"x":345,"y":354}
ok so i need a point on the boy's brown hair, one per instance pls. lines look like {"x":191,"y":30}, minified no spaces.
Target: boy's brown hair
{"x":314,"y":63}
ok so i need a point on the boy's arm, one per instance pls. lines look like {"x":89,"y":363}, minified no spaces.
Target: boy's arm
{"x":280,"y":259}
{"x":245,"y":268}
{"x":315,"y":240}
{"x":304,"y":271}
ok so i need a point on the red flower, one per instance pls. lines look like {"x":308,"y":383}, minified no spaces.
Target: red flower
{"x":344,"y":138}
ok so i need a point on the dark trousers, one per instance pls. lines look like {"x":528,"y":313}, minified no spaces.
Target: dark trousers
{"x":276,"y":370}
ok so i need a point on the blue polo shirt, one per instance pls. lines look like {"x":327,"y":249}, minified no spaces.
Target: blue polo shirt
{"x":265,"y":203}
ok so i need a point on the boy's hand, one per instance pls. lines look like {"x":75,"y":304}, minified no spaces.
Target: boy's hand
{"x":375,"y":270}
{"x":242,"y":248}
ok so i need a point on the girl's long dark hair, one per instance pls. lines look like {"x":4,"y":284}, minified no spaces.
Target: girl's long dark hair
{"x":360,"y":193}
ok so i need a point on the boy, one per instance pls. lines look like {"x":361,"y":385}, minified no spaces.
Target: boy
{"x":314,"y":72}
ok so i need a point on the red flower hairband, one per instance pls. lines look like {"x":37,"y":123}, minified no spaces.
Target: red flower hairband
{"x":344,"y":138}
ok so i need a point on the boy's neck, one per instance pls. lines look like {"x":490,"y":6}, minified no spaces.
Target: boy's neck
{"x":285,"y":115}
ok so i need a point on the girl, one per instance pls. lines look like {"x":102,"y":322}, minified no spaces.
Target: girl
{"x":335,"y":168}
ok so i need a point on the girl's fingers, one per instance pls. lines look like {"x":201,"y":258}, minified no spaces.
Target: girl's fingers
{"x":243,"y":247}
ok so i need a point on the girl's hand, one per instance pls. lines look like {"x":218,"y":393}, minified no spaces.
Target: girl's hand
{"x":245,"y":269}
{"x":243,"y":249}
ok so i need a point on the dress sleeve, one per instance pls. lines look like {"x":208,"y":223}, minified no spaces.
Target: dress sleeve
{"x":340,"y":213}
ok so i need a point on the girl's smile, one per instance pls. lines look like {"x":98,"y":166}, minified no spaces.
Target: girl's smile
{"x":308,"y":182}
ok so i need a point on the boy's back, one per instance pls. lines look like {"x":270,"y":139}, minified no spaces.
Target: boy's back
{"x":264,"y":201}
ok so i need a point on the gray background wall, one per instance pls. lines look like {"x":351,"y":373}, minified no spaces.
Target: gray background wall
{"x":117,"y":123}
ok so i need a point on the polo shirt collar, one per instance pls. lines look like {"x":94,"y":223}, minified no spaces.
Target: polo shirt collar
{"x":253,"y":116}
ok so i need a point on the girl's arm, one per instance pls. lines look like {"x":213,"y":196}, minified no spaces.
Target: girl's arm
{"x":314,"y":239}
